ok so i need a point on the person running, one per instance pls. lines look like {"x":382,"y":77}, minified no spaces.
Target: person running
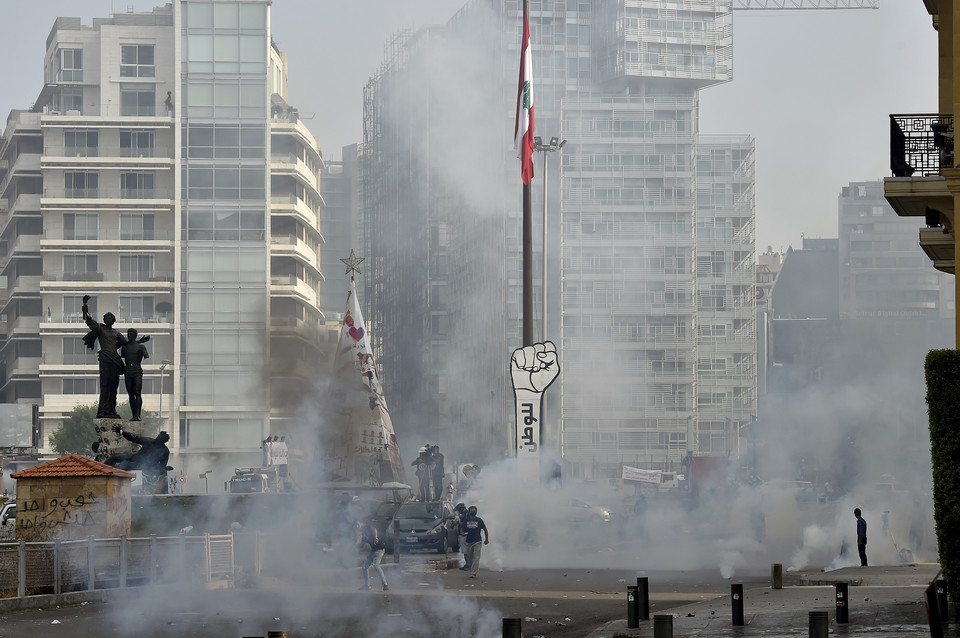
{"x":369,"y":536}
{"x":471,"y":528}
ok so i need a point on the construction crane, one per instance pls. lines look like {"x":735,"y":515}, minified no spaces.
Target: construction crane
{"x":806,"y":4}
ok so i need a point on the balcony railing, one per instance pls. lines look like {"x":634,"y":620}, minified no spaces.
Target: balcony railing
{"x":920,"y":144}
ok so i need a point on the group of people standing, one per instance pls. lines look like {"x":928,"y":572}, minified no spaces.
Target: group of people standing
{"x":429,"y":472}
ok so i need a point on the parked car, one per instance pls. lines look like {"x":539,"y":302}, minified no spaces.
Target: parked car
{"x":576,"y":510}
{"x":424,"y":525}
{"x":8,"y":513}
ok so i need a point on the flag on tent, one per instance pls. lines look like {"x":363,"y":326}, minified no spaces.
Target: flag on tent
{"x":523,"y":129}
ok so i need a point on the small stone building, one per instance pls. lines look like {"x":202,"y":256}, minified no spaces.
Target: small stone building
{"x":71,"y":498}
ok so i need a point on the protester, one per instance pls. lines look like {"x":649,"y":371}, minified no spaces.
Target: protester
{"x":861,"y":537}
{"x":369,"y":536}
{"x":470,"y":528}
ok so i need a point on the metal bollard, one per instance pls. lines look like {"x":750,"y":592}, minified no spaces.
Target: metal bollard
{"x":843,"y":607}
{"x":819,"y":624}
{"x":277,"y":634}
{"x":512,"y":628}
{"x":736,"y":603}
{"x":776,"y":575}
{"x":942,"y":600}
{"x":663,"y":626}
{"x":396,"y":541}
{"x":643,"y":597}
{"x":632,"y":620}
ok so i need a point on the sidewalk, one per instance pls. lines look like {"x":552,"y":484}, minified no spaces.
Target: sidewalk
{"x":883,"y":601}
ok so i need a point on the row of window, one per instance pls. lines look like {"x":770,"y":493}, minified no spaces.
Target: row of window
{"x":136,"y":61}
{"x":133,"y":226}
{"x":86,"y":143}
{"x":86,"y":184}
{"x":82,"y":266}
{"x":128,"y":306}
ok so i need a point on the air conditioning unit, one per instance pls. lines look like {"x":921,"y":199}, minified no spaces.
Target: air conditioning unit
{"x":73,"y":112}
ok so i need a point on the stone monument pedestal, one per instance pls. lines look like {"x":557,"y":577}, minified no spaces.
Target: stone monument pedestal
{"x":112,"y":443}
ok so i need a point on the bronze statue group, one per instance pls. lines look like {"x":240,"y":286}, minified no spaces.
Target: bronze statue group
{"x":123,"y":355}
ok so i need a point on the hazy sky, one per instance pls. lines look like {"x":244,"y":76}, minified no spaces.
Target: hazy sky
{"x":813,"y":87}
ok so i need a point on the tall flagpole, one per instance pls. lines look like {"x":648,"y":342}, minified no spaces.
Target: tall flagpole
{"x":524,"y":142}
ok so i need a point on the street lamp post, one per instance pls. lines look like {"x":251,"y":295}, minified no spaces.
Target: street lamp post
{"x":206,"y":489}
{"x":163,"y":365}
{"x":555,"y":145}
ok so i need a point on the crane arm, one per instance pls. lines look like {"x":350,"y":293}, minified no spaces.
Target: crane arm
{"x":806,"y":4}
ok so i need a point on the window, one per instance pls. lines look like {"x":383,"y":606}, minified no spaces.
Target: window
{"x":80,"y":385}
{"x":80,"y":225}
{"x":228,"y":141}
{"x":80,"y":143}
{"x":73,"y":309}
{"x":136,"y":267}
{"x":81,"y":183}
{"x":226,"y":182}
{"x":136,"y":185}
{"x":136,"y":61}
{"x":71,"y":99}
{"x":80,"y":267}
{"x":138,"y":99}
{"x":136,"y":226}
{"x":225,"y":223}
{"x":135,"y":307}
{"x":134,"y":143}
{"x":74,"y":352}
{"x":71,"y":65}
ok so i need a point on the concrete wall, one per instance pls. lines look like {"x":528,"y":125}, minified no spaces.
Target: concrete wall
{"x":71,"y":508}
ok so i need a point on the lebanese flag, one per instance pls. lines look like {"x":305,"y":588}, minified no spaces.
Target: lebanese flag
{"x":523,"y":130}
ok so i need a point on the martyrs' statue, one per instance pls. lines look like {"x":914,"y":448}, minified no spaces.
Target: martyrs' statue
{"x":111,"y":365}
{"x":133,"y":352}
{"x":151,"y":458}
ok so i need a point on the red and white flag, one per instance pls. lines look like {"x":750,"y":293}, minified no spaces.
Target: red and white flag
{"x":523,"y":130}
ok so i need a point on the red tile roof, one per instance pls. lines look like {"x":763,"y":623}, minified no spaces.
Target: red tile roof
{"x":71,"y":465}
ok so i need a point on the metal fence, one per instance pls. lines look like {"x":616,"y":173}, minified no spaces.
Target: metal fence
{"x":56,"y":567}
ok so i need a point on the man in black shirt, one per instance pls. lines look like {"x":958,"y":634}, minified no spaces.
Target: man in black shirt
{"x":471,"y":528}
{"x":369,"y":536}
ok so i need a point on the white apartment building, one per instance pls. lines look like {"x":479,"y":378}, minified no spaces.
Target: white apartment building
{"x":650,"y":287}
{"x":162,"y":172}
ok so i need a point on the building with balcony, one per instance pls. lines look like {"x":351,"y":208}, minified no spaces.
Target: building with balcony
{"x":883,"y":271}
{"x":655,"y":326}
{"x":924,"y":181}
{"x":169,"y":179}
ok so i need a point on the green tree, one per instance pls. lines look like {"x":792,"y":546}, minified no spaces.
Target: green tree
{"x":78,"y":432}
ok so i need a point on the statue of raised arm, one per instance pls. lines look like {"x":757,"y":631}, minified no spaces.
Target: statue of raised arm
{"x":111,"y":365}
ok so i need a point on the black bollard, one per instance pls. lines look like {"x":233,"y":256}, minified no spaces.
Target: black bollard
{"x":663,"y":626}
{"x":736,"y":603}
{"x":632,"y":620}
{"x":776,"y":575}
{"x":512,"y":628}
{"x":643,"y":597}
{"x":396,"y":541}
{"x":819,"y":624}
{"x":843,"y":608}
{"x":942,"y":600}
{"x":276,"y":634}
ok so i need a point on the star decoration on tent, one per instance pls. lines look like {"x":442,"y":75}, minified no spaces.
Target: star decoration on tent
{"x":352,"y":262}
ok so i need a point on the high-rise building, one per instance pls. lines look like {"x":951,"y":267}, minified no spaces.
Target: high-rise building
{"x":655,"y":325}
{"x":162,"y":172}
{"x":883,"y":270}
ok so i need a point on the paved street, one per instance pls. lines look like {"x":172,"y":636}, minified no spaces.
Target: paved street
{"x":427,"y":597}
{"x":554,"y":604}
